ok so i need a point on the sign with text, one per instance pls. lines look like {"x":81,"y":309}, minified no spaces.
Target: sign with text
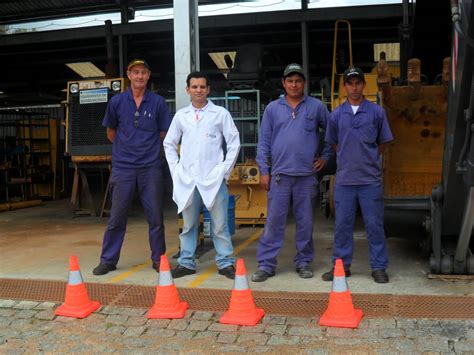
{"x":93,"y":96}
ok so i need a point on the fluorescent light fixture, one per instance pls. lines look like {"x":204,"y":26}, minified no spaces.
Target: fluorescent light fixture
{"x":392,"y":51}
{"x":86,"y":70}
{"x":219,"y":61}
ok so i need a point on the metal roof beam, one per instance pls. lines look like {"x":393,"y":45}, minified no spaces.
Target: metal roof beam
{"x":215,"y":22}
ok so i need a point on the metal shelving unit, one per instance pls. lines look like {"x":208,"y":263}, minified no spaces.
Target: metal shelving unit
{"x":25,"y":156}
{"x":245,"y":108}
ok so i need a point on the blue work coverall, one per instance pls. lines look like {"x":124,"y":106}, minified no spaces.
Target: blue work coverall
{"x":359,"y":178}
{"x":287,"y":148}
{"x":136,"y":162}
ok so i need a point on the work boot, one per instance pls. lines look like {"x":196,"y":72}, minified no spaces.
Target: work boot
{"x":228,"y":271}
{"x":329,"y":276}
{"x":261,"y":275}
{"x":156,"y":265}
{"x":380,"y":276}
{"x":180,"y":271}
{"x":305,"y":272}
{"x":103,"y":269}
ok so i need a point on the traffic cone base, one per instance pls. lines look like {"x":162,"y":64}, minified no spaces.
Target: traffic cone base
{"x":77,"y":312}
{"x":350,"y":322}
{"x":167,"y":303}
{"x":235,"y":318}
{"x":242,"y":310}
{"x":178,"y":312}
{"x":77,"y":303}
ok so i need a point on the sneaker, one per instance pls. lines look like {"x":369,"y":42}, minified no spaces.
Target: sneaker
{"x":305,"y":272}
{"x":103,"y":269}
{"x":261,"y":275}
{"x":156,"y":266}
{"x":180,"y":271}
{"x":329,"y":276}
{"x":380,"y":276}
{"x":228,"y":271}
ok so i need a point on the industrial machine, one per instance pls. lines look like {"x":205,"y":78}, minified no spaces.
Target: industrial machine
{"x":250,"y":198}
{"x":428,"y":171}
{"x":452,"y":201}
{"x":86,"y":104}
{"x":86,"y":140}
{"x":413,"y":161}
{"x":339,"y":96}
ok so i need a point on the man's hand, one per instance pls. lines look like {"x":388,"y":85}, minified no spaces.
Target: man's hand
{"x":111,"y":134}
{"x":265,"y":182}
{"x":319,"y":163}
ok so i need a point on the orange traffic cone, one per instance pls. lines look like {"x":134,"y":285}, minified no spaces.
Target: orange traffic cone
{"x":242,"y":310}
{"x":167,"y":303}
{"x":77,"y":303}
{"x":340,"y":311}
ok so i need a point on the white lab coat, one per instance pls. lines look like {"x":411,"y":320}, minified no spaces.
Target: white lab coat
{"x":201,"y":162}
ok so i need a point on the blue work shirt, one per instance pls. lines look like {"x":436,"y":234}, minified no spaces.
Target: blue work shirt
{"x":137,"y":146}
{"x":288,"y":142}
{"x":358,"y":137}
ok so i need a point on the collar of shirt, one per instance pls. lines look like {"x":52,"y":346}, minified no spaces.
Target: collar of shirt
{"x":282,"y":101}
{"x":347,"y":108}
{"x":199,"y":111}
{"x":210,"y":107}
{"x":129,"y":95}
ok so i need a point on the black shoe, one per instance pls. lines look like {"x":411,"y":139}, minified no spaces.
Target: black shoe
{"x":329,"y":276}
{"x":261,"y":275}
{"x":228,"y":271}
{"x":380,"y":276}
{"x":180,"y":271}
{"x":156,"y":266}
{"x":305,"y":272}
{"x":103,"y":269}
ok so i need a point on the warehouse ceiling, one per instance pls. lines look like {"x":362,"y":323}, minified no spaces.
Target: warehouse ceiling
{"x":34,"y":63}
{"x":14,"y":11}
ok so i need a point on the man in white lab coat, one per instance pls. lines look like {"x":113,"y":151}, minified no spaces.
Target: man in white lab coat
{"x":200,"y":173}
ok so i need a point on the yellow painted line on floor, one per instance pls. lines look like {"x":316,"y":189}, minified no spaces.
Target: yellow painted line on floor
{"x":212,"y":269}
{"x":138,"y":268}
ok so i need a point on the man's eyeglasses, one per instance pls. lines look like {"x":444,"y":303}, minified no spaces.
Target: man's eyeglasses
{"x":135,"y":121}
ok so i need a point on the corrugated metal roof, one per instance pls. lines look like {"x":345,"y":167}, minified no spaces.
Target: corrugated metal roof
{"x":14,"y":11}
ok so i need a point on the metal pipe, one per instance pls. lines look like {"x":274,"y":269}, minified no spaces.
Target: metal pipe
{"x":465,"y":233}
{"x":305,"y":55}
{"x":405,"y":13}
{"x":404,"y":32}
{"x":110,"y":71}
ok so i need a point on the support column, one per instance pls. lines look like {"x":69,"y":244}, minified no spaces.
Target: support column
{"x":305,"y":49}
{"x":305,"y":55}
{"x":186,"y":46}
{"x":127,"y":12}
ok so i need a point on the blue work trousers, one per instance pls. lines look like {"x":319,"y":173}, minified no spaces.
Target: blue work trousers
{"x":284,"y":189}
{"x":149,"y":181}
{"x":220,"y":230}
{"x":370,"y":200}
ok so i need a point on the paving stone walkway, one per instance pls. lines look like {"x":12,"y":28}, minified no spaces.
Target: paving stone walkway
{"x":32,"y":328}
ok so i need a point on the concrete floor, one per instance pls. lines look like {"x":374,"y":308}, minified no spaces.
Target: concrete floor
{"x":37,"y":242}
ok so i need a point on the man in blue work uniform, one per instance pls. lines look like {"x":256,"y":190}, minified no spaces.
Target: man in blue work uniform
{"x":359,"y":132}
{"x":136,"y":121}
{"x":287,"y":156}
